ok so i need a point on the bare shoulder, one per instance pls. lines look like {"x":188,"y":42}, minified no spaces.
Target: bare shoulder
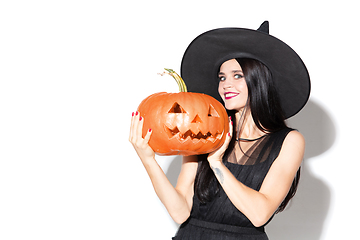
{"x":295,"y":137}
{"x":282,"y":172}
{"x":292,"y":150}
{"x":294,"y":143}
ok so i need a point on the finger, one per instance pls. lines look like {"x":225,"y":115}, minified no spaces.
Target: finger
{"x":134,"y":126}
{"x":230,"y":126}
{"x":131,"y":127}
{"x":227,"y":140}
{"x":139,"y":125}
{"x":229,"y":134}
{"x":148,"y":135}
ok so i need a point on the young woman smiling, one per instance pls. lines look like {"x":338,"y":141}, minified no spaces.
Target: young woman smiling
{"x":234,"y":192}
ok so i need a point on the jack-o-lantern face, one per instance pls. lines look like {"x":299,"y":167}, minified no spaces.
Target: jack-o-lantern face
{"x":184,"y":123}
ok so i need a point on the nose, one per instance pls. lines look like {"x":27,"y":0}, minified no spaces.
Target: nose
{"x":227,"y":84}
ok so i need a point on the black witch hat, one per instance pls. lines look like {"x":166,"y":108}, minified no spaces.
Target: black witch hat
{"x":208,"y":51}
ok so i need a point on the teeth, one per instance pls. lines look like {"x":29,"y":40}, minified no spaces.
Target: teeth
{"x":189,"y":134}
{"x":231,"y":94}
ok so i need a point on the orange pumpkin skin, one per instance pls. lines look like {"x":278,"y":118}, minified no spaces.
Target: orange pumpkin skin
{"x":184,"y":123}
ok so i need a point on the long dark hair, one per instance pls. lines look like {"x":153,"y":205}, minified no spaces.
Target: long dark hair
{"x":268,"y":116}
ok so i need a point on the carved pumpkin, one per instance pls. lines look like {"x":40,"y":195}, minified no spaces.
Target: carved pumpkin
{"x":184,"y":123}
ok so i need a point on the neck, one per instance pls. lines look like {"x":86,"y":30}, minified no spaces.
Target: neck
{"x":247,"y":128}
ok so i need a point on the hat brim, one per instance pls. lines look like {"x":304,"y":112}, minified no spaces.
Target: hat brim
{"x":206,"y":53}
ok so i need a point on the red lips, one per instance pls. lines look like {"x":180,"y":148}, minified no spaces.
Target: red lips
{"x":229,"y":95}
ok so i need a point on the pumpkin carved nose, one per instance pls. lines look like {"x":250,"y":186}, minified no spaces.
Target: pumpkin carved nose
{"x":197,"y":119}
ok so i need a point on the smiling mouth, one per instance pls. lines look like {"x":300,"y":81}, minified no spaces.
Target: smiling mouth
{"x":230,"y":95}
{"x":189,"y":134}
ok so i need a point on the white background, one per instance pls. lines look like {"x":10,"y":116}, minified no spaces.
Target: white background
{"x":72,"y":72}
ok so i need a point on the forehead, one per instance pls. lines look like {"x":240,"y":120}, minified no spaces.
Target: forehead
{"x":230,"y":66}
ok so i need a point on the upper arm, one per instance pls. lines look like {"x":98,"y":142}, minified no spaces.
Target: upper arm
{"x":278,"y":180}
{"x":186,"y":179}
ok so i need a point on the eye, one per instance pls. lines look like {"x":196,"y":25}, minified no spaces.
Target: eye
{"x":238,"y":76}
{"x":221,"y":78}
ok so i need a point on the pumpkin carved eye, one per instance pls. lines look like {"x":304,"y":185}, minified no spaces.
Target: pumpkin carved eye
{"x":176,"y":108}
{"x":212,"y":112}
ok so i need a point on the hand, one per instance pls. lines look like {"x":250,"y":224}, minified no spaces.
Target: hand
{"x":140,"y":144}
{"x":217,"y":155}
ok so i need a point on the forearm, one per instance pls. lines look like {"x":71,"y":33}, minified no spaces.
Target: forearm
{"x":259,"y":206}
{"x":253,"y":204}
{"x":173,"y":200}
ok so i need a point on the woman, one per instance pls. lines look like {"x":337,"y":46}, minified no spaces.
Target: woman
{"x":233,"y":193}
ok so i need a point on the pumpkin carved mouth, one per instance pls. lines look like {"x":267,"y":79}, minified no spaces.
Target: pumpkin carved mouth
{"x":193,"y":136}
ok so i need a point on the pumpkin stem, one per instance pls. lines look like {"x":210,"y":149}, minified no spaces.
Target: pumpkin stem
{"x":179,"y":80}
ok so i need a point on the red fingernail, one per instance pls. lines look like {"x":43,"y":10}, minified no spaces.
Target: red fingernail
{"x":132,"y":114}
{"x":229,"y":134}
{"x":149,"y":129}
{"x":137,"y":113}
{"x":230,"y":118}
{"x":140,"y":118}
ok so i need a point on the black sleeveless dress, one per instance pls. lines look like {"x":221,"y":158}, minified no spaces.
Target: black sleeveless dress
{"x":219,"y":219}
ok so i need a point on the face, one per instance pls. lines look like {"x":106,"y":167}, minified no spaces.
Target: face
{"x":232,"y":85}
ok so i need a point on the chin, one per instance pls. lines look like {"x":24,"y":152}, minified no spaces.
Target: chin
{"x":235,"y":107}
{"x":231,"y":107}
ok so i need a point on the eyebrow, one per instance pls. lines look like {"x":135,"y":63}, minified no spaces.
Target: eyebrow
{"x":233,"y":71}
